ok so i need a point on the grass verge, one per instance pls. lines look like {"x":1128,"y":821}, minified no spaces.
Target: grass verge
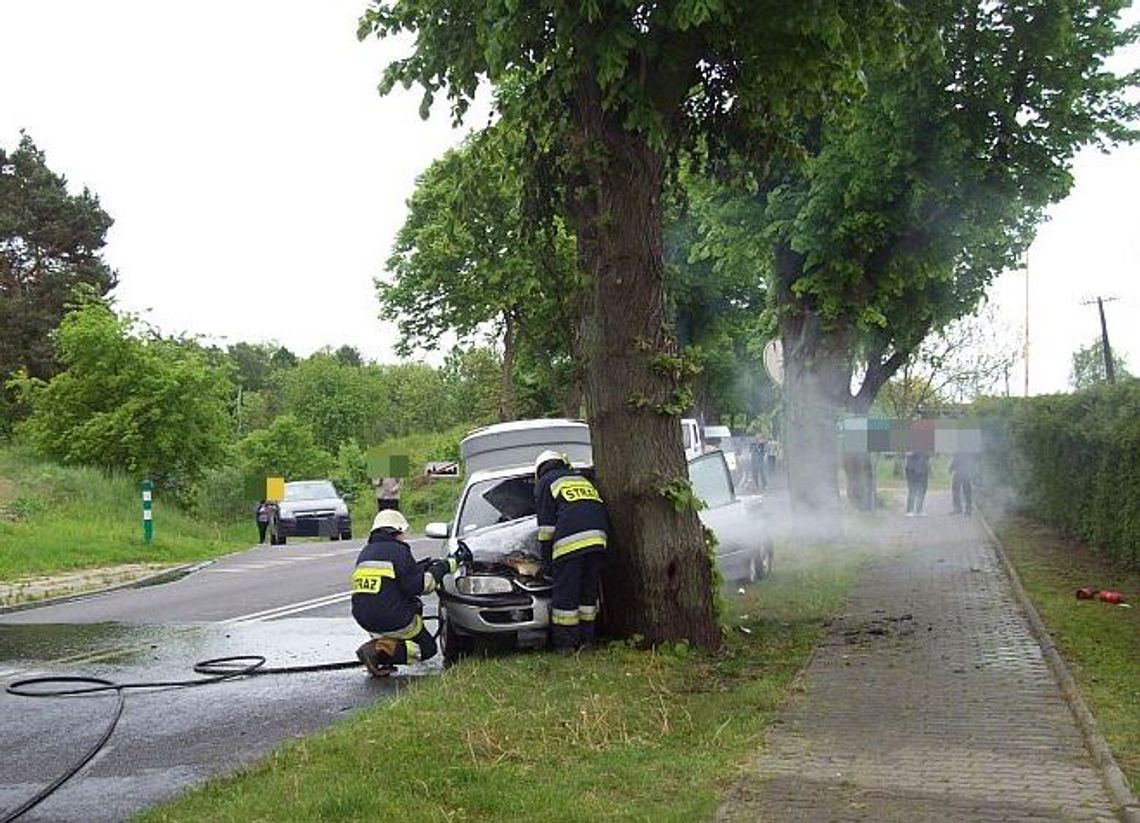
{"x":1100,"y":642}
{"x":613,"y":734}
{"x":55,"y":518}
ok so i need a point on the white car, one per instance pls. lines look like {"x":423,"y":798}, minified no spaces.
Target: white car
{"x":504,"y":594}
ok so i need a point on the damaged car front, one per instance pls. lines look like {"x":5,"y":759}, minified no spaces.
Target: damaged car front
{"x":502,"y":596}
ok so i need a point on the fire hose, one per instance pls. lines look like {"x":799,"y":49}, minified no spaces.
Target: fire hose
{"x":214,"y":670}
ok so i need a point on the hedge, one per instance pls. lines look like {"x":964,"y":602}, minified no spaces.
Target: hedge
{"x":1073,"y":461}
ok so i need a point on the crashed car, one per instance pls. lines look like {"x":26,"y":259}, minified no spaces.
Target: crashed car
{"x":310,"y":508}
{"x":504,"y":596}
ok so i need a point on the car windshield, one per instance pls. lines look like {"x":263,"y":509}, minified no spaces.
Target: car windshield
{"x":310,"y":490}
{"x":496,"y":501}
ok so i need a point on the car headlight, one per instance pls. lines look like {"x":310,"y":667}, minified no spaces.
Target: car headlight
{"x":342,"y":509}
{"x":483,"y":584}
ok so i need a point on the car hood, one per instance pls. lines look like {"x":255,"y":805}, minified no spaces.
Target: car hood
{"x":493,"y":545}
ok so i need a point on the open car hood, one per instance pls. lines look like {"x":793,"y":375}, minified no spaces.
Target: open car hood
{"x":493,"y":544}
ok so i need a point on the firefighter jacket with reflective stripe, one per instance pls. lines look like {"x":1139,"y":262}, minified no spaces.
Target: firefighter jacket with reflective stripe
{"x":571,"y":516}
{"x":387,"y":583}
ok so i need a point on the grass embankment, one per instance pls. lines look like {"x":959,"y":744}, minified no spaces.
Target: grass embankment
{"x":55,"y":519}
{"x":1100,"y":642}
{"x":612,"y":734}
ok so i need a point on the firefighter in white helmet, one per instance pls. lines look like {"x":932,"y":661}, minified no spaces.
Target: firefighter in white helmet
{"x":387,"y":583}
{"x":572,"y":532}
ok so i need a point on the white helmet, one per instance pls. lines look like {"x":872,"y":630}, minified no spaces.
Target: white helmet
{"x":390,"y":519}
{"x":548,"y":456}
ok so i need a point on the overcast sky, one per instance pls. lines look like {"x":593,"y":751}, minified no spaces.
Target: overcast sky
{"x":257,"y":179}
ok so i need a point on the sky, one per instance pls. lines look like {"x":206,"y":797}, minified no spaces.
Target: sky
{"x":257,"y":179}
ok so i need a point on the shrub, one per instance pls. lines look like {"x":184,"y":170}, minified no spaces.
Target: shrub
{"x":1073,"y":461}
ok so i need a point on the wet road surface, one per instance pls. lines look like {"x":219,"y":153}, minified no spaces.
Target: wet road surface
{"x":288,"y":606}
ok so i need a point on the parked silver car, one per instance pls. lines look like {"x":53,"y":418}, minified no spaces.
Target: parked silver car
{"x":310,"y":508}
{"x":504,"y":594}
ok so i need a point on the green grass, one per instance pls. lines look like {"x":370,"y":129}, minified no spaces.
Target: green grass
{"x":613,"y":734}
{"x":55,"y":518}
{"x":1100,"y":642}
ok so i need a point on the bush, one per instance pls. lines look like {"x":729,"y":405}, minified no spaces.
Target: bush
{"x":1073,"y":461}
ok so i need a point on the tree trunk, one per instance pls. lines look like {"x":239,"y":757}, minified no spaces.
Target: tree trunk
{"x":508,"y":407}
{"x":817,"y":372}
{"x":658,"y":579}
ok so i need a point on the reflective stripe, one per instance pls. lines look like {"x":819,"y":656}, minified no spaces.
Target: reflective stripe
{"x":545,"y":532}
{"x":587,"y":614}
{"x":579,"y":540}
{"x":429,"y":583}
{"x":563,"y":617}
{"x":413,"y":650}
{"x":572,"y":489}
{"x":368,"y":577}
{"x":410,"y":630}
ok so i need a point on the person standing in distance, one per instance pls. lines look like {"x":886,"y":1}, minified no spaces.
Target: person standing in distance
{"x":573,"y":529}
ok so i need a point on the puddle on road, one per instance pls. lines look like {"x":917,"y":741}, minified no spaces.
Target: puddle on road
{"x":286,"y":642}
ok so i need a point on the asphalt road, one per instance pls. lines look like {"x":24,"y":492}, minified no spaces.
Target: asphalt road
{"x":287,"y":603}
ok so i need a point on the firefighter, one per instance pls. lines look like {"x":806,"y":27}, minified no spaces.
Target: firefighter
{"x":386,"y":587}
{"x":572,"y":530}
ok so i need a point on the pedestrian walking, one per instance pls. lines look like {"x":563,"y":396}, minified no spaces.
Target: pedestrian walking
{"x":261,"y":514}
{"x":387,"y":493}
{"x":962,"y":482}
{"x":572,"y":534}
{"x":756,"y":450}
{"x":917,"y":470}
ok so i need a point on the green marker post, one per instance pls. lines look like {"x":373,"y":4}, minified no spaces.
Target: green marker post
{"x":148,"y":514}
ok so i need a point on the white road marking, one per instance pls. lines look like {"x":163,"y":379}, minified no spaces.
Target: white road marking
{"x":289,"y":608}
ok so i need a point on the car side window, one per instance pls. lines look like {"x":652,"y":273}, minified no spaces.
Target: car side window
{"x":710,"y":479}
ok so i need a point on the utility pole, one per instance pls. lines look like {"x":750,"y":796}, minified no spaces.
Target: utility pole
{"x":1109,"y":366}
{"x":1025,"y":352}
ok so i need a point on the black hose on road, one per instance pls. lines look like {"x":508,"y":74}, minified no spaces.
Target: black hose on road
{"x":214,"y":670}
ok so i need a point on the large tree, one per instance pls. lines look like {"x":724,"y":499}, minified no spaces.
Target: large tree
{"x":51,"y":244}
{"x":469,"y":260}
{"x":903,"y":209}
{"x":612,"y":89}
{"x":1089,"y":367}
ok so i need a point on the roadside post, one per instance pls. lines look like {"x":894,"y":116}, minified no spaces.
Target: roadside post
{"x":148,"y":513}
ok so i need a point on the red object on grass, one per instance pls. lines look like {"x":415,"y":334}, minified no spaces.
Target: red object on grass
{"x":1115,"y":598}
{"x":1087,"y":593}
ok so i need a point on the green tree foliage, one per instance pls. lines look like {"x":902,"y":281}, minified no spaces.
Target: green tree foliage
{"x":51,"y":244}
{"x":253,"y":364}
{"x":286,"y":449}
{"x":470,"y":260}
{"x":906,"y":204}
{"x":335,"y":401}
{"x":1088,"y":366}
{"x":604,"y":94}
{"x":130,"y":401}
{"x":349,"y":356}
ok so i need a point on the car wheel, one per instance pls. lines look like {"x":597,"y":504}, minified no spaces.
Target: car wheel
{"x":452,"y":644}
{"x":752,"y":573}
{"x":346,"y":535}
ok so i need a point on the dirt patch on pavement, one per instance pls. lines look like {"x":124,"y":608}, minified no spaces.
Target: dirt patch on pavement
{"x":64,"y":584}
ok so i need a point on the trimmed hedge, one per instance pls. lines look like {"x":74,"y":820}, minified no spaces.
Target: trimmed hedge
{"x":1073,"y":461}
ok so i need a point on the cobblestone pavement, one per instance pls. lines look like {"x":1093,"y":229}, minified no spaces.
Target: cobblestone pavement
{"x":927,"y":700}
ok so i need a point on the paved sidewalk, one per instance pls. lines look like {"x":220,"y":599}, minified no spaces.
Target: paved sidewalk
{"x":928,"y":700}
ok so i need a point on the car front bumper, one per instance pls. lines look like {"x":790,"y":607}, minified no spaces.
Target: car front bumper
{"x":522,"y":614}
{"x":326,"y":526}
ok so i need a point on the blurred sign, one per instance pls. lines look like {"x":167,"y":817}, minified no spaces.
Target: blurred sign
{"x":774,"y":361}
{"x":388,"y":465}
{"x":442,"y":468}
{"x":275,"y":488}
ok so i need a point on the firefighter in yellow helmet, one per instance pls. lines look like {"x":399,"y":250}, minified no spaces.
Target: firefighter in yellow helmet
{"x":572,"y":532}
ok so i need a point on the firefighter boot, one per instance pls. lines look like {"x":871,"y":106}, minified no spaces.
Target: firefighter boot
{"x":376,"y":655}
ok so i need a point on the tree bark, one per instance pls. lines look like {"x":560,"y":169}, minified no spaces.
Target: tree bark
{"x":508,"y":406}
{"x":817,"y":372}
{"x":658,"y":581}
